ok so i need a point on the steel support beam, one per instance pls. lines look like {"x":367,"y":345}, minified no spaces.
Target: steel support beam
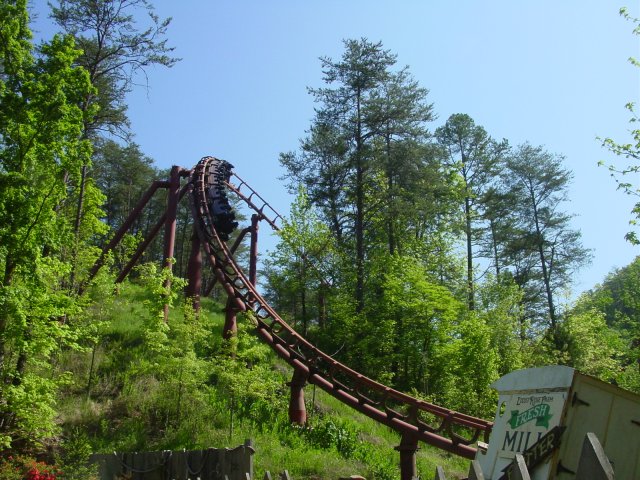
{"x":253,"y":250}
{"x":170,"y":225}
{"x":194,"y":271}
{"x":408,"y":448}
{"x":124,"y":228}
{"x":297,"y":409}
{"x":145,"y":243}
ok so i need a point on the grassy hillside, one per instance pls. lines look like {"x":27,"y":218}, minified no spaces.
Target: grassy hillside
{"x":143,"y":385}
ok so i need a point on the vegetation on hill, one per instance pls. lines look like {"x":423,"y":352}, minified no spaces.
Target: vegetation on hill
{"x":432,"y":261}
{"x":143,"y":385}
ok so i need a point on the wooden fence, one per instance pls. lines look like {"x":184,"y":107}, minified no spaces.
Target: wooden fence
{"x":210,"y":464}
{"x":237,"y":464}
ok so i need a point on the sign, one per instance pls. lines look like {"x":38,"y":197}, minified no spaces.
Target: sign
{"x":529,"y":416}
{"x":539,"y":413}
{"x":531,"y":404}
{"x":538,"y":452}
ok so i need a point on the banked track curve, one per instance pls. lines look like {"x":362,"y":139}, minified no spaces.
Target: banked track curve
{"x":414,"y":419}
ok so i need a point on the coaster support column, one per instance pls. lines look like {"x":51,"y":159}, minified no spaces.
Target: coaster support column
{"x":253,"y":251}
{"x":408,"y":448}
{"x":194,"y":271}
{"x":297,"y":409}
{"x":170,"y":226}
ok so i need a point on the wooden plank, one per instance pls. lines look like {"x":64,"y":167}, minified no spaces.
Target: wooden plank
{"x":475,"y":471}
{"x":194,"y":461}
{"x":248,"y":451}
{"x":267,"y":475}
{"x":211,"y":464}
{"x":155,"y":465}
{"x":439,"y":474}
{"x":520,"y":470}
{"x":285,"y":475}
{"x":593,"y":463}
{"x":128,"y":460}
{"x":179,"y":465}
{"x":223,"y":464}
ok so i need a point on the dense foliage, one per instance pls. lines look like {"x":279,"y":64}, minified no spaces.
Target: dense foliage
{"x":628,"y":151}
{"x":403,"y":302}
{"x":433,"y":261}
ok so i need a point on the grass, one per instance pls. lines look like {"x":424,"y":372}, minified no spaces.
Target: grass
{"x":118,"y":416}
{"x":383,"y":439}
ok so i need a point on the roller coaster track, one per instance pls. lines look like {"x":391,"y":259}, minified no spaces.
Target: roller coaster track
{"x":416,"y":420}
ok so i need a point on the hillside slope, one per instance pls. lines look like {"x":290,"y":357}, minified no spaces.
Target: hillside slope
{"x":144,"y":385}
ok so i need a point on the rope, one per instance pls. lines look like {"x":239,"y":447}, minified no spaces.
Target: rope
{"x":190,"y":471}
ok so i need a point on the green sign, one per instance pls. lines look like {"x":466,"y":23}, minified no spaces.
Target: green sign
{"x":540,"y":413}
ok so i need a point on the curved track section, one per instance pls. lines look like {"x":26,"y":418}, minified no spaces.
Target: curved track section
{"x":414,"y":419}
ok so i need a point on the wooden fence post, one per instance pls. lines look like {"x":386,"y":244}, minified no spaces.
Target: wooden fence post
{"x":285,"y":475}
{"x":593,"y":464}
{"x":475,"y":471}
{"x":520,"y":472}
{"x":439,"y":474}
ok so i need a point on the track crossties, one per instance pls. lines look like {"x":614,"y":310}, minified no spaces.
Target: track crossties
{"x":416,"y":420}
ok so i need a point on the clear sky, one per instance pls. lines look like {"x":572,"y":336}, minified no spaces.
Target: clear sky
{"x":550,"y":72}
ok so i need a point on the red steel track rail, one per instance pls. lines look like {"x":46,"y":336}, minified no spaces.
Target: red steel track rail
{"x":414,"y":419}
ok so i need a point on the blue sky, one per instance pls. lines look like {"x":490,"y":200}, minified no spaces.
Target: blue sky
{"x":553,"y":73}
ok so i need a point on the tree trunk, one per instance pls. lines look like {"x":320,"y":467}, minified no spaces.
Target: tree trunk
{"x":76,"y":225}
{"x":546,"y":275}
{"x":359,"y":224}
{"x":390,"y":230}
{"x":494,"y":244}
{"x":470,"y":286}
{"x":322,"y":307}
{"x":4,"y":315}
{"x":303,"y":298}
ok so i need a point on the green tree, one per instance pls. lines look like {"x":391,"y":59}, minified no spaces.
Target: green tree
{"x":617,"y":297}
{"x":630,"y":151}
{"x":402,"y":155}
{"x":123,"y":174}
{"x":421,"y":317}
{"x":299,"y":270}
{"x":40,"y":147}
{"x":347,"y":115}
{"x":475,"y":156}
{"x":115,"y":53}
{"x":468,"y":387}
{"x":321,"y":168}
{"x":616,"y":303}
{"x":500,"y":309}
{"x":591,"y":346}
{"x":499,"y":226}
{"x":364,"y":161}
{"x":544,"y":236}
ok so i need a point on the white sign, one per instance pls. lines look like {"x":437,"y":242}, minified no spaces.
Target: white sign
{"x":530,"y":403}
